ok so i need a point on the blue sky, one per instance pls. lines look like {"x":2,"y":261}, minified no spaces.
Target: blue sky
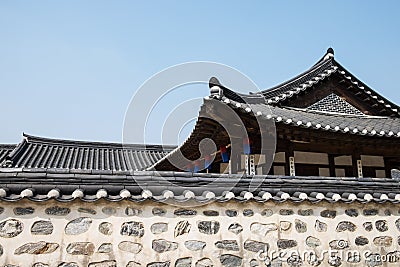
{"x":68,"y":69}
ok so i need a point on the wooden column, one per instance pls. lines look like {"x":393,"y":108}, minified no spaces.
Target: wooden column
{"x":388,"y":167}
{"x":288,"y":154}
{"x":235,"y":160}
{"x":331,"y":162}
{"x":355,"y":157}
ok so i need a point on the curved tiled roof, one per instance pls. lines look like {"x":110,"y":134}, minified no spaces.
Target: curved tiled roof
{"x":37,"y":152}
{"x":349,"y":124}
{"x":317,"y":72}
{"x":324,"y":68}
{"x":312,"y":78}
{"x":48,"y":184}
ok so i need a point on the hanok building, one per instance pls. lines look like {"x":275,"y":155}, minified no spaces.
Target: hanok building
{"x":320,"y":148}
{"x":328,"y":123}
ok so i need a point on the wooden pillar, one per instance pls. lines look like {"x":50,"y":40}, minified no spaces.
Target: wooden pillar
{"x":289,"y":153}
{"x":331,"y":162}
{"x":356,"y":162}
{"x":235,"y":160}
{"x":388,"y":167}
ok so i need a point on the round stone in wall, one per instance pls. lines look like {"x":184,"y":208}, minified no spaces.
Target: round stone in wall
{"x":41,"y":247}
{"x":346,"y":226}
{"x":184,"y":262}
{"x":211,"y":213}
{"x":105,"y":263}
{"x":235,"y":228}
{"x":294,"y":261}
{"x":87,"y":210}
{"x":361,"y":241}
{"x":335,"y":261}
{"x":387,"y":212}
{"x":306,"y":212}
{"x":24,"y":210}
{"x":159,"y":264}
{"x":105,"y":248}
{"x":105,"y":228}
{"x":204,"y":262}
{"x":353,"y":258}
{"x":313,"y":242}
{"x":286,"y":212}
{"x":370,"y":212}
{"x":11,"y":228}
{"x":383,"y":241}
{"x":162,"y":245}
{"x":109,"y":210}
{"x":133,"y":264}
{"x":339,"y":244}
{"x":129,"y":211}
{"x":185,"y":212}
{"x":80,"y":248}
{"x":68,"y":264}
{"x":286,"y":243}
{"x":227,"y":245}
{"x":40,"y":264}
{"x":78,"y":226}
{"x":331,"y":214}
{"x":381,"y":225}
{"x":248,"y":212}
{"x":57,"y":211}
{"x":194,"y":245}
{"x":255,"y":246}
{"x":158,"y":228}
{"x":208,"y":227}
{"x":230,"y":260}
{"x":320,"y":226}
{"x":182,"y":227}
{"x":267,"y":213}
{"x":301,"y":227}
{"x":159,"y":211}
{"x":132,"y":229}
{"x":42,"y":228}
{"x":351,"y":212}
{"x":231,"y":213}
{"x":1,"y":250}
{"x":131,"y":247}
{"x":368,"y":226}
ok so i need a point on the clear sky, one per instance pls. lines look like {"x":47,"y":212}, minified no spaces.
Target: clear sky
{"x":68,"y":69}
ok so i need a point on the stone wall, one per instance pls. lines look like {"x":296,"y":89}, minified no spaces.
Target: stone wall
{"x":229,"y":234}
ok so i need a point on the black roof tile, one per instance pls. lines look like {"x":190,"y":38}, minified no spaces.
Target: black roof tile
{"x":279,"y":188}
{"x":37,"y":152}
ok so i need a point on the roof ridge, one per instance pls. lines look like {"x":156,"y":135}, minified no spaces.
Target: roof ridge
{"x":358,"y":81}
{"x":320,"y":63}
{"x":70,"y":142}
{"x":8,"y":145}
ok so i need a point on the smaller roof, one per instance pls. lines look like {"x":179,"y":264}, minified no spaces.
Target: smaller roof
{"x":39,"y":152}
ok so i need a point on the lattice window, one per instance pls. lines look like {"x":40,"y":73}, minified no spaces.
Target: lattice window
{"x":333,"y":103}
{"x":395,"y":173}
